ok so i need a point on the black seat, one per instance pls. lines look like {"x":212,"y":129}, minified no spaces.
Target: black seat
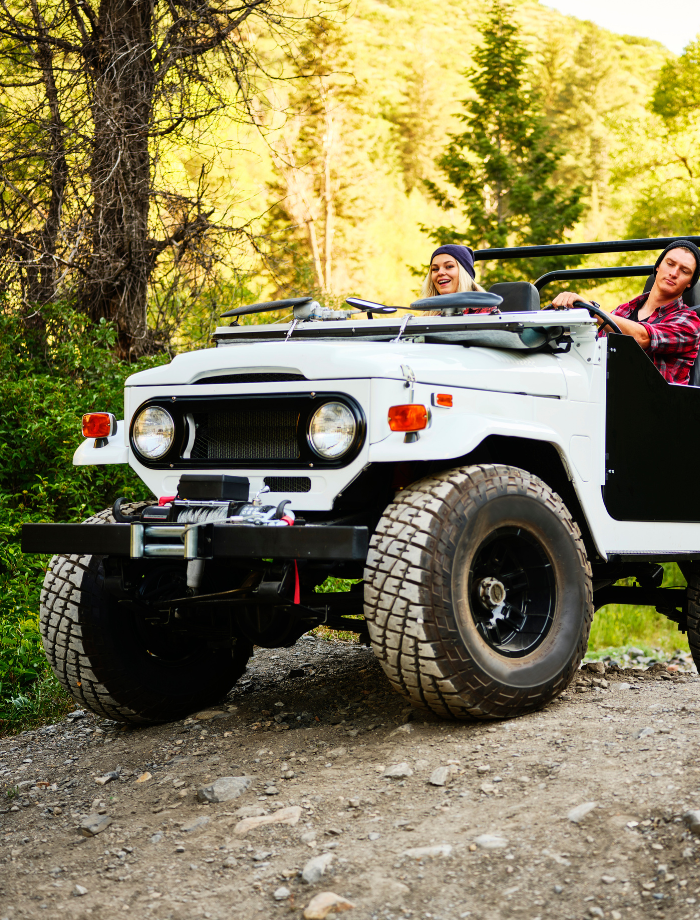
{"x":691,"y":298}
{"x":518,"y":296}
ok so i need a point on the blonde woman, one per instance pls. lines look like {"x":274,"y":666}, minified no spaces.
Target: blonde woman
{"x":452,"y":271}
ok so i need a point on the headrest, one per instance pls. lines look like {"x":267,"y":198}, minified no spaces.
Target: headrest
{"x":691,"y":296}
{"x":518,"y":296}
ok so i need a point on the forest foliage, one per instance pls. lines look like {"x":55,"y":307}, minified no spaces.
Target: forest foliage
{"x":297,"y":154}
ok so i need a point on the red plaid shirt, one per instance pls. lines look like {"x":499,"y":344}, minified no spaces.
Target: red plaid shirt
{"x":674,"y":330}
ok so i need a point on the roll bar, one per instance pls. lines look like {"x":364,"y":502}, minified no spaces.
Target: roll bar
{"x":579,"y":249}
{"x":584,"y":249}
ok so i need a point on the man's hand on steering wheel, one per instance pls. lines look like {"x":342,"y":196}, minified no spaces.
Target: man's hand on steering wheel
{"x":567,"y":299}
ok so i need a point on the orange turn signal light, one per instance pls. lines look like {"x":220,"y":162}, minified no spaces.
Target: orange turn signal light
{"x":99,"y":425}
{"x":442,"y":399}
{"x":411,"y":417}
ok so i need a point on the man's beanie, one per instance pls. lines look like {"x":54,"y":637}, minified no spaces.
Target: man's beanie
{"x":683,"y":244}
{"x":465,"y":256}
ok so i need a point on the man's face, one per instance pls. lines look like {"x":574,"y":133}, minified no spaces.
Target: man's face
{"x":675,"y":273}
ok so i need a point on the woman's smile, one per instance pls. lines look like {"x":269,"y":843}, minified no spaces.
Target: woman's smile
{"x":444,"y":270}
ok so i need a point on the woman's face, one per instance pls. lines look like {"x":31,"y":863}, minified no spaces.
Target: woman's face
{"x":444,"y":272}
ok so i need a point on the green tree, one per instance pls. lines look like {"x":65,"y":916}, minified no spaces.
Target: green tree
{"x":501,"y":167}
{"x":314,"y":162}
{"x":677,"y":93}
{"x":94,"y":96}
{"x":657,"y":170}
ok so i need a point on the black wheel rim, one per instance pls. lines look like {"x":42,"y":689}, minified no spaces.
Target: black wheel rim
{"x":171,"y":646}
{"x":512,"y":592}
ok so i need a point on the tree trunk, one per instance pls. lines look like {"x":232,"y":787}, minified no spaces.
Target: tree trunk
{"x":328,"y":195}
{"x":313,"y":242}
{"x":41,"y":286}
{"x":116,"y":285}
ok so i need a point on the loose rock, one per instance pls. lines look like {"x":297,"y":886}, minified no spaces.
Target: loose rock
{"x":691,"y":819}
{"x":316,"y":867}
{"x":440,"y":776}
{"x":579,"y":813}
{"x":250,"y":811}
{"x":398,"y":771}
{"x":79,"y":891}
{"x":281,"y":894}
{"x":144,"y":778}
{"x":288,"y":816}
{"x":325,"y":903}
{"x":436,"y":852}
{"x":491,"y":842}
{"x":92,"y":825}
{"x":107,"y":778}
{"x":224,"y":789}
{"x":202,"y":821}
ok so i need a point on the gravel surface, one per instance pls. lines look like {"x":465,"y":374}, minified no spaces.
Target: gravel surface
{"x":346,"y":801}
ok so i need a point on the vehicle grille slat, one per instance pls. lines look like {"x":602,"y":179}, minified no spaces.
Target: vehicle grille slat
{"x":246,"y":434}
{"x":288,"y":483}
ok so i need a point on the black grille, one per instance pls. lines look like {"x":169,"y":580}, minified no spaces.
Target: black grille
{"x":288,"y":483}
{"x":246,"y":434}
{"x":250,"y":378}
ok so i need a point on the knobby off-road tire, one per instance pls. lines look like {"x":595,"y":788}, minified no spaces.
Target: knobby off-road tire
{"x":432,"y":593}
{"x":691,"y":571}
{"x":99,"y":654}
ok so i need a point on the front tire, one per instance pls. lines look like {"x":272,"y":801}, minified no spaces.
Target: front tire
{"x":105,"y":658}
{"x":478,"y":593}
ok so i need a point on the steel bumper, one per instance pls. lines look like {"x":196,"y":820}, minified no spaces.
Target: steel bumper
{"x":215,"y":541}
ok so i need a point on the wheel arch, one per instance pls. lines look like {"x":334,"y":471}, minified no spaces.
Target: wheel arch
{"x":542,"y":458}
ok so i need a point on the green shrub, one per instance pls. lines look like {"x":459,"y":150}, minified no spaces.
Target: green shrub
{"x":50,"y":375}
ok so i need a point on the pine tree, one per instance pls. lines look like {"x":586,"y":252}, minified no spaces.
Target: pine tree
{"x":501,"y":167}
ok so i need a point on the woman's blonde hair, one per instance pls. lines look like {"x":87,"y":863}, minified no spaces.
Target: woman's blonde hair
{"x":466,"y":283}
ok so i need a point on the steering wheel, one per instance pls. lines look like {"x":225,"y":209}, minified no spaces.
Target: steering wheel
{"x":594,"y":311}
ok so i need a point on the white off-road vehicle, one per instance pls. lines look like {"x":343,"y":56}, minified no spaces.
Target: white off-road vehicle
{"x":488,"y":477}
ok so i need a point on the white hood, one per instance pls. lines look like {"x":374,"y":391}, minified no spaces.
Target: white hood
{"x":449,"y":365}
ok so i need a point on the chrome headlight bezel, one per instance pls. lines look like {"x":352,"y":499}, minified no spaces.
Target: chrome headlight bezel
{"x":165,"y":446}
{"x":351,"y":443}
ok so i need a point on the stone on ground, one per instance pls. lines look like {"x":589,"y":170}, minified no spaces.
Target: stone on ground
{"x":325,"y":903}
{"x":224,"y":789}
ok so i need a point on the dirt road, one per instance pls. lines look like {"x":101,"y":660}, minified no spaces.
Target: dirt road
{"x":570,"y":813}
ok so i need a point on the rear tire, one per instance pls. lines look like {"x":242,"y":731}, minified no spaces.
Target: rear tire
{"x":100,"y":654}
{"x":691,"y":570}
{"x":478,"y":593}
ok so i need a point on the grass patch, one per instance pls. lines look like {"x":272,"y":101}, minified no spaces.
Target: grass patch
{"x":617,"y":626}
{"x":330,"y":586}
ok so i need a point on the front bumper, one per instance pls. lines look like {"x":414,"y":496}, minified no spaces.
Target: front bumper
{"x":213,"y":541}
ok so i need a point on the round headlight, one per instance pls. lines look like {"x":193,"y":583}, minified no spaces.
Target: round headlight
{"x":154,"y":432}
{"x":332,"y":430}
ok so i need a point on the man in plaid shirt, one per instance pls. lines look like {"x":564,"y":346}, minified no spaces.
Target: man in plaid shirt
{"x":667,"y":329}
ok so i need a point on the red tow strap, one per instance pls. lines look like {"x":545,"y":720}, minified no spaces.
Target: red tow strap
{"x":297,"y":591}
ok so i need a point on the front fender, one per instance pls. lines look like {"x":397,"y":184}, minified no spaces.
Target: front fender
{"x":456,"y":431}
{"x":115,"y":450}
